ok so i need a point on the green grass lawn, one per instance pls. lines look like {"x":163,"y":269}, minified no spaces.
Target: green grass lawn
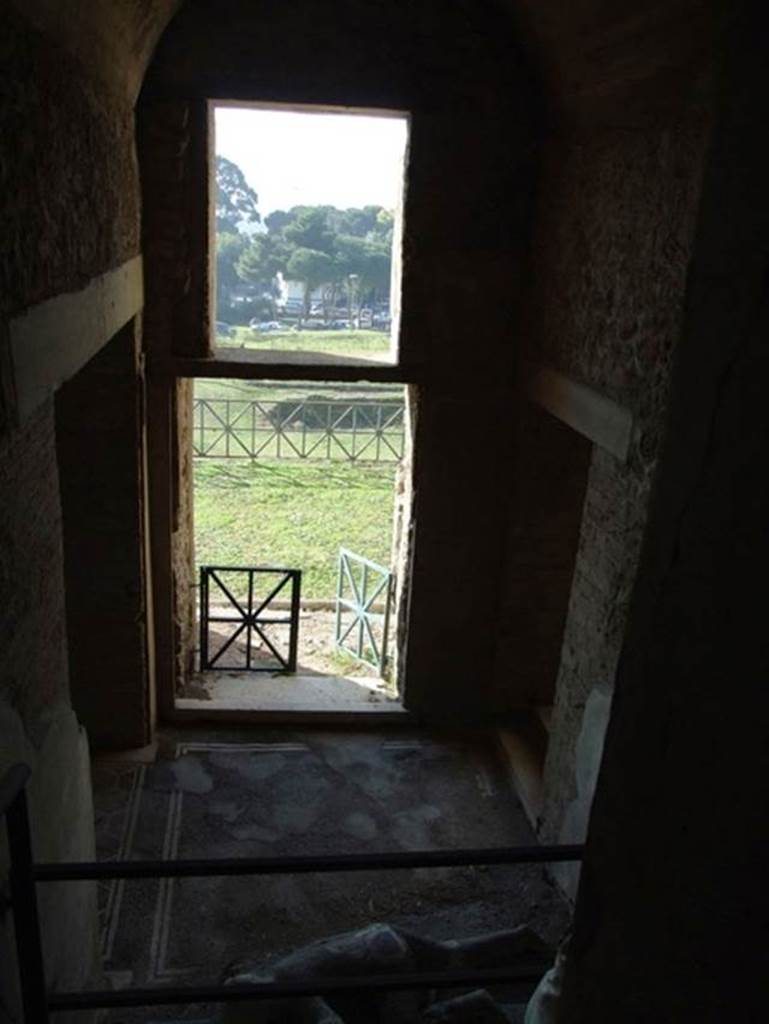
{"x":334,"y":343}
{"x":294,"y":514}
{"x":275,"y":391}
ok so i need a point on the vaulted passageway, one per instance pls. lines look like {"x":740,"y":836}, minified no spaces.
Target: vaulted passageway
{"x":583,"y":284}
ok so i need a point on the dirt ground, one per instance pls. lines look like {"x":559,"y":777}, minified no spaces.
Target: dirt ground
{"x":317,"y":655}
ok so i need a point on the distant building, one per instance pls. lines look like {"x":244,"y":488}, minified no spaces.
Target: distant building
{"x":291,"y":294}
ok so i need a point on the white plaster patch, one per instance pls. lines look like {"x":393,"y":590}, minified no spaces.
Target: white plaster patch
{"x":589,"y":752}
{"x":53,"y":340}
{"x":601,"y":420}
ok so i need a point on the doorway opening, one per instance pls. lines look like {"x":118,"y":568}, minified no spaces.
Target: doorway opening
{"x":301,"y":526}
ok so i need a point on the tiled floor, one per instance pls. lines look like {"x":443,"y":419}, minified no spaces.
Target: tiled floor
{"x":270,"y":792}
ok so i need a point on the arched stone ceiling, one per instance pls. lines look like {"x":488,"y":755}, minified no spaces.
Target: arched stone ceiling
{"x":625,"y":61}
{"x":598,"y":59}
{"x":112,"y":39}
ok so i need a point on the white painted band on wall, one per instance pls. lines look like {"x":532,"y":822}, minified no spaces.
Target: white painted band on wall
{"x":602,"y":421}
{"x":50,"y":342}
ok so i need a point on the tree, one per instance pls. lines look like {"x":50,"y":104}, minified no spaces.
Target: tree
{"x":277,"y":220}
{"x":260,"y":261}
{"x":362,"y":266}
{"x":383,"y":230}
{"x":310,"y":230}
{"x":236,"y":201}
{"x":377,"y":266}
{"x":355,"y":221}
{"x":313,"y":268}
{"x":229,"y":248}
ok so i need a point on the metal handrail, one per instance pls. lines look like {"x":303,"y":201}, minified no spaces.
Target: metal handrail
{"x":324,"y":987}
{"x":214,"y":867}
{"x":25,"y":875}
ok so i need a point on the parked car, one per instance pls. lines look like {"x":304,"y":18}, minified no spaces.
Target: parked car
{"x":265,"y":325}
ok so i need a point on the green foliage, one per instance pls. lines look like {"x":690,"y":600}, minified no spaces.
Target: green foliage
{"x":368,"y":259}
{"x":346,"y":252}
{"x":236,"y":201}
{"x":344,"y":343}
{"x":310,"y":230}
{"x":277,"y":220}
{"x":229,"y":248}
{"x":260,"y":261}
{"x":312,"y":267}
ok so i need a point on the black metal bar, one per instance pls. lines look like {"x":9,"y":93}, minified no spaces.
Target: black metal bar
{"x":293,"y":633}
{"x":286,"y":573}
{"x":247,"y":568}
{"x":306,"y":865}
{"x":24,"y":897}
{"x":260,"y":620}
{"x":282,"y":662}
{"x":468,"y":978}
{"x":249,"y":628}
{"x":249,"y":618}
{"x":226,"y":646}
{"x":203,"y":612}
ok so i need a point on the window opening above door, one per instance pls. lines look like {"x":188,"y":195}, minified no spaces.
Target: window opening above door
{"x":307,"y":205}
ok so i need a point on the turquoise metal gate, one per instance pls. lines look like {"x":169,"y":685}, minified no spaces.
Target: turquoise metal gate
{"x":363,"y":603}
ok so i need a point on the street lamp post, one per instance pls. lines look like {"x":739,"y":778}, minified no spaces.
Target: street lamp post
{"x":352,"y":281}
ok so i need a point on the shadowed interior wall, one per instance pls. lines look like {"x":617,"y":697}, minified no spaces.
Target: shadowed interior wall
{"x":69,"y":213}
{"x":671,"y":915}
{"x":548,"y":491}
{"x":99,"y":434}
{"x":611,"y":250}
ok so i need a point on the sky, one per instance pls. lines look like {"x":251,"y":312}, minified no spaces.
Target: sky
{"x":291,"y":158}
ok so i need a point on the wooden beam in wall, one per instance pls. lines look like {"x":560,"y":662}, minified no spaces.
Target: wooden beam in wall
{"x":51,"y":341}
{"x":247,"y":364}
{"x":601,"y":420}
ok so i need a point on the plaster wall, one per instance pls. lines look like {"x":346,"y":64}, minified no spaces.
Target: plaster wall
{"x":37,"y":724}
{"x":183,"y":536}
{"x":70,"y":197}
{"x":548,"y":483}
{"x":68,"y":215}
{"x":612,"y":247}
{"x":671,"y":915}
{"x":99,"y":422}
{"x":33,"y":669}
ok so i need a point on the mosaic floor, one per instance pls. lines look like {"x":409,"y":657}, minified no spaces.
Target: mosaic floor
{"x":316,"y":792}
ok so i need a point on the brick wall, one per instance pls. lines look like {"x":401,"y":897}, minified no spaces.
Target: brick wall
{"x":33,"y":663}
{"x":69,"y":213}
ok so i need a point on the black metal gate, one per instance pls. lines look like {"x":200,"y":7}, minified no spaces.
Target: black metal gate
{"x":256,"y":627}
